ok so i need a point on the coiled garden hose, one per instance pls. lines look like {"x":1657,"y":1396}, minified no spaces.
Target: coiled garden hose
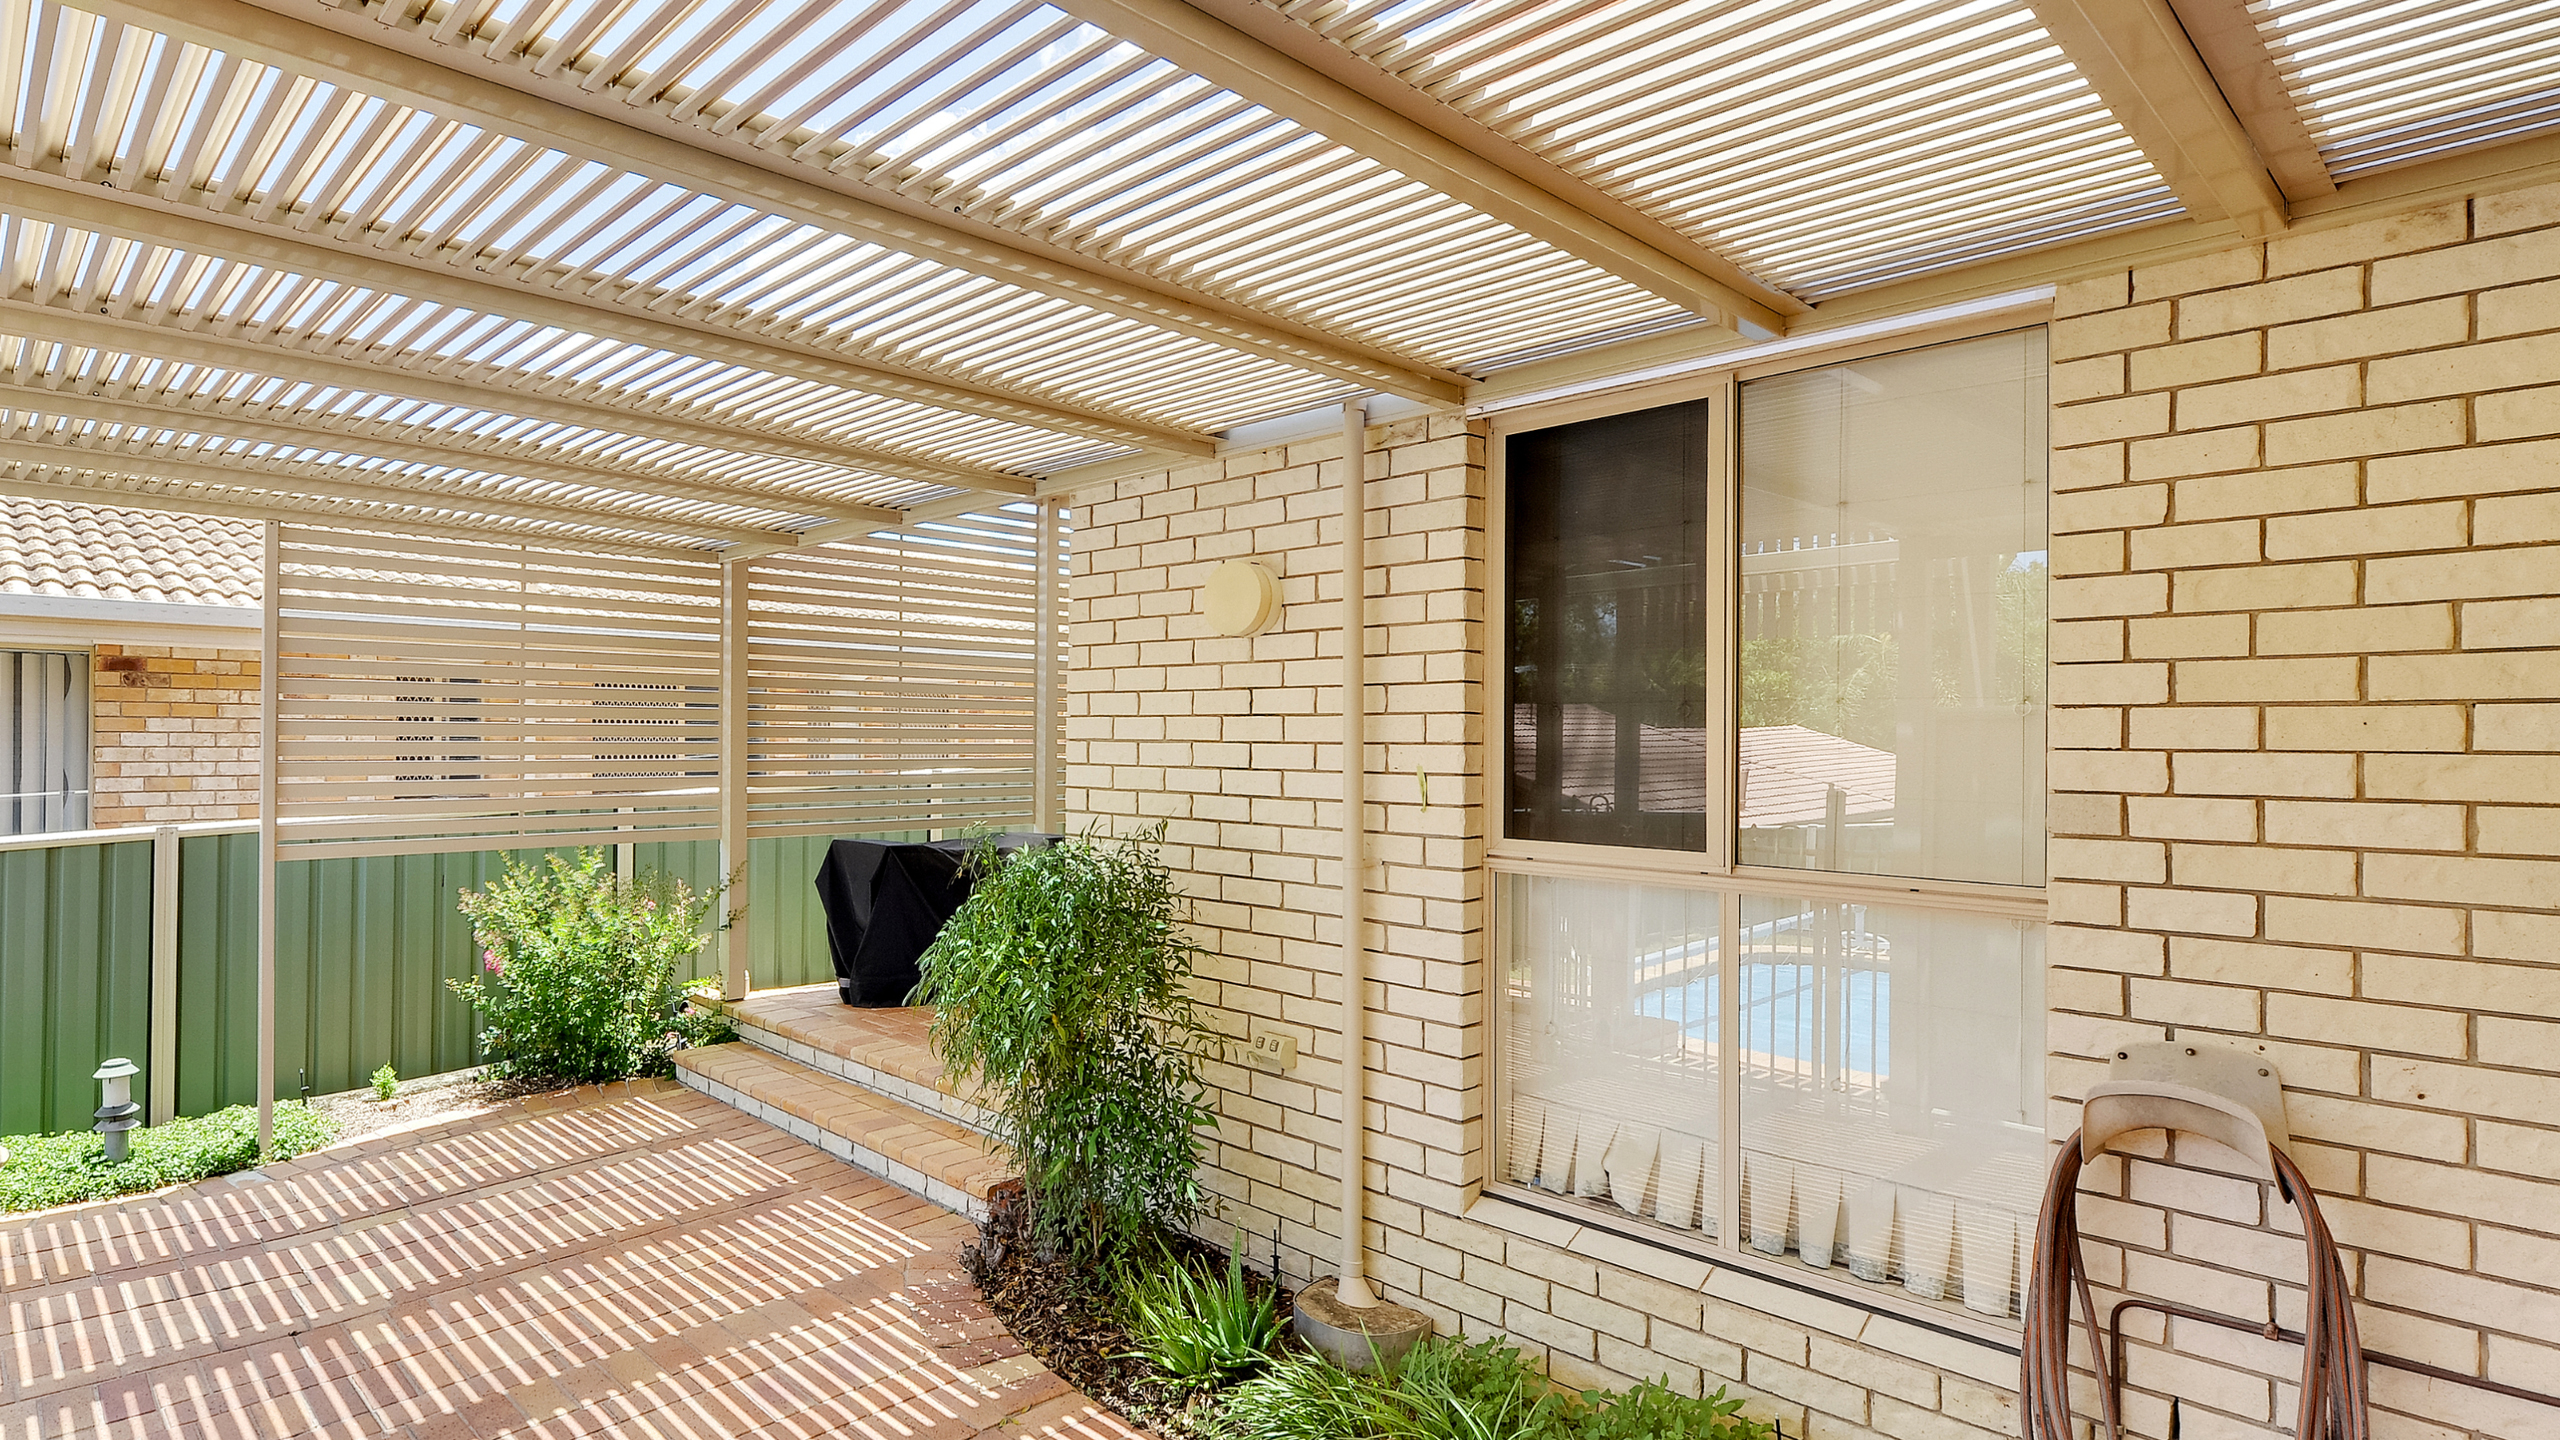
{"x":2333,"y":1388}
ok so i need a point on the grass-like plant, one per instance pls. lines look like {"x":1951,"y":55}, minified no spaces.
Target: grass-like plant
{"x":1062,"y":988}
{"x":578,"y":969}
{"x":1483,"y":1391}
{"x":70,"y":1167}
{"x":1196,"y":1329}
{"x":1306,"y":1397}
{"x":1450,"y":1390}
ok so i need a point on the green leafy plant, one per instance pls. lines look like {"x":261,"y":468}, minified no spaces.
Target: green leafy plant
{"x":1306,"y":1397}
{"x":578,"y":969}
{"x":70,"y":1167}
{"x":1061,"y":989}
{"x":1451,"y":1390}
{"x":1197,"y":1329}
{"x":1484,"y":1391}
{"x":386,"y":1083}
{"x":1655,"y":1411}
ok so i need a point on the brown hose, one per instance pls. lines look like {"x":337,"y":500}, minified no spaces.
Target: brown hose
{"x":2333,"y":1392}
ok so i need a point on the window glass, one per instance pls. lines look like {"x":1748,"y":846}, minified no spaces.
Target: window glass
{"x":1611,"y":1071}
{"x":44,"y":741}
{"x":1892,"y":1073}
{"x":1607,"y":638}
{"x":1892,"y":595}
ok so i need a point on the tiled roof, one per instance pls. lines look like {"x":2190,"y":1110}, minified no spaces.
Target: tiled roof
{"x":91,"y":552}
{"x":1787,"y":770}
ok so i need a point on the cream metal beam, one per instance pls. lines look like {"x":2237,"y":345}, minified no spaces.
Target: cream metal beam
{"x":737,"y":673}
{"x":1246,"y":47}
{"x":150,"y":482}
{"x":194,"y":347}
{"x":2227,"y":39}
{"x":270,"y":764}
{"x":92,"y":489}
{"x":2138,"y":58}
{"x":352,"y":262}
{"x":392,"y":52}
{"x":37,"y":400}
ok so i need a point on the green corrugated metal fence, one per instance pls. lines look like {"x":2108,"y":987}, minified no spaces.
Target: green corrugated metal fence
{"x":75,"y":976}
{"x":363,"y":948}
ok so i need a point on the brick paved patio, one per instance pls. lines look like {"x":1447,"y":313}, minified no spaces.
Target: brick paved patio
{"x":638,"y":1261}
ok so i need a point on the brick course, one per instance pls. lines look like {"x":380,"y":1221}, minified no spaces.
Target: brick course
{"x":174,"y":731}
{"x":2293,"y":505}
{"x":2306,"y":644}
{"x":1235,"y":745}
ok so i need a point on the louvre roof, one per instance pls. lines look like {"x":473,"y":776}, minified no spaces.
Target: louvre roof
{"x":739,"y":272}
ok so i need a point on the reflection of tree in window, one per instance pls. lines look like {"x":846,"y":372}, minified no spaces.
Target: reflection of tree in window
{"x":1607,"y":631}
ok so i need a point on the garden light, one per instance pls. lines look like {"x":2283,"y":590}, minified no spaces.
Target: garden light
{"x":116,"y":1110}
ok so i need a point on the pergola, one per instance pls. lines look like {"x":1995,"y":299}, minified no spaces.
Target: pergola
{"x":527,"y":324}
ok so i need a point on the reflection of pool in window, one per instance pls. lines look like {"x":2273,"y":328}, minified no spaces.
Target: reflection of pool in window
{"x":1784,"y":1014}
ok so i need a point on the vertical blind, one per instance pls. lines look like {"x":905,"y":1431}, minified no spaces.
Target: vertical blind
{"x":47,"y":727}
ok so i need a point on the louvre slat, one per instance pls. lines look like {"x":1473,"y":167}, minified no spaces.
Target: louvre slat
{"x":874,"y":657}
{"x":433,"y":687}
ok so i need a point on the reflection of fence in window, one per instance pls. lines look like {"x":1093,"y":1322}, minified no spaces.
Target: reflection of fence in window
{"x":1816,"y":993}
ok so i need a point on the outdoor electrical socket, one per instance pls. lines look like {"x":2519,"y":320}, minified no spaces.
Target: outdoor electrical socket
{"x":1271,"y":1049}
{"x":116,"y":1110}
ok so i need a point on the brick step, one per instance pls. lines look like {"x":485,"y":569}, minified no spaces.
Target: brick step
{"x":930,"y":1155}
{"x":881,"y":1050}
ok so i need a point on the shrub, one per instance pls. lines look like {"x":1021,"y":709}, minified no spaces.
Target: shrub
{"x":65,"y":1169}
{"x":1447,"y":1390}
{"x":578,"y":967}
{"x":1062,"y":992}
{"x":1199,"y":1330}
{"x":386,"y":1082}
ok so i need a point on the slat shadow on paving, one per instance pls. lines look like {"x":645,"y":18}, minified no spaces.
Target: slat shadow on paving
{"x":633,"y":1261}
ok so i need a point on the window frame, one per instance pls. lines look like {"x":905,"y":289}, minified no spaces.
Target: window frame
{"x":1714,"y":869}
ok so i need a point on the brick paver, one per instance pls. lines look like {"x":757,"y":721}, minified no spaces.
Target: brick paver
{"x":633,"y":1261}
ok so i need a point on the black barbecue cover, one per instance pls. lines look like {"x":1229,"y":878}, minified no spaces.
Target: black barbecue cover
{"x":885,"y":902}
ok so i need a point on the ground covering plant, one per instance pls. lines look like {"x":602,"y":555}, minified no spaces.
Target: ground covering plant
{"x":70,"y":1167}
{"x":578,"y":969}
{"x":1452,"y":1390}
{"x":1061,"y":991}
{"x":1198,"y":1329}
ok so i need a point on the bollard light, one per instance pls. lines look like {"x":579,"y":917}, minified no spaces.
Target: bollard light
{"x":116,"y":1110}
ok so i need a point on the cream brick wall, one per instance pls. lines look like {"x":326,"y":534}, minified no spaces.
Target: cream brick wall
{"x":174,"y":731}
{"x":2306,"y":797}
{"x":1234,"y":744}
{"x":2307,"y":638}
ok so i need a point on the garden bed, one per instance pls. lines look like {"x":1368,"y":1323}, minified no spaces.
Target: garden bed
{"x":1064,"y":1313}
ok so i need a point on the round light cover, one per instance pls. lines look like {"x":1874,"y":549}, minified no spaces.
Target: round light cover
{"x":1242,"y":597}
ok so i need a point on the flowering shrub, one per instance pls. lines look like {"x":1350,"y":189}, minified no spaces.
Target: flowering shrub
{"x":578,"y":969}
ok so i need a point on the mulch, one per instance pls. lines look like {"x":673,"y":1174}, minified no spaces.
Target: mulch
{"x":1061,"y":1311}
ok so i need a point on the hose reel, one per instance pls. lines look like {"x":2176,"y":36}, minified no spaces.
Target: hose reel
{"x":2223,"y":1095}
